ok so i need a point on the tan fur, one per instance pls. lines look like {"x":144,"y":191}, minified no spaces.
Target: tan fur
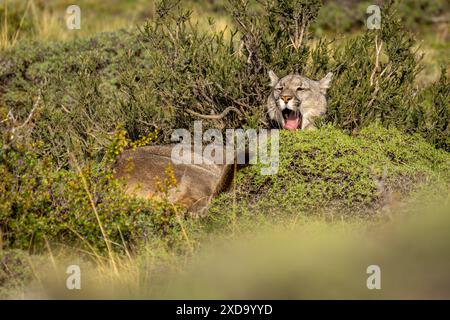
{"x":299,"y":94}
{"x":196,"y":184}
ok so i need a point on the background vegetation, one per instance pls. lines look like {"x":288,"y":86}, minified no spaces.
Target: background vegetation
{"x":71,"y":101}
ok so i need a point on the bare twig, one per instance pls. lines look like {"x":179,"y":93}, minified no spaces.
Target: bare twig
{"x":373,"y":97}
{"x":299,"y":33}
{"x":213,"y":116}
{"x":378,"y":48}
{"x":65,"y":109}
{"x":30,"y":116}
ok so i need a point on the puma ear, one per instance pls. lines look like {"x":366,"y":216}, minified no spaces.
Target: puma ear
{"x":273,"y":78}
{"x":325,"y":82}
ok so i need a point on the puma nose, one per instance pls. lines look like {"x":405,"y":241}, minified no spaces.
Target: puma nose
{"x":286,"y":98}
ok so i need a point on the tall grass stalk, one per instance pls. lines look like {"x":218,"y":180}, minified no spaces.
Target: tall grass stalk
{"x":94,"y":208}
{"x":5,"y":38}
{"x":5,"y":41}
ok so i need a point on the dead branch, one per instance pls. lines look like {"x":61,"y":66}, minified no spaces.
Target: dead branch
{"x":30,"y":115}
{"x":213,"y":116}
{"x":299,"y":33}
{"x":378,"y":48}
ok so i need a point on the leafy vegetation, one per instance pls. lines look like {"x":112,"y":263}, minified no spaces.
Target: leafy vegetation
{"x":295,"y":258}
{"x":83,"y":206}
{"x":154,"y":79}
{"x":14,"y":271}
{"x":67,"y":109}
{"x":345,"y":16}
{"x":328,"y":173}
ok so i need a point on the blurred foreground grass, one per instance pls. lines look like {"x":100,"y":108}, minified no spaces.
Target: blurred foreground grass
{"x":295,"y":259}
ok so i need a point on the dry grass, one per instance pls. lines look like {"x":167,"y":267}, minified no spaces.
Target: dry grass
{"x":295,"y":259}
{"x":7,"y":40}
{"x":46,"y":19}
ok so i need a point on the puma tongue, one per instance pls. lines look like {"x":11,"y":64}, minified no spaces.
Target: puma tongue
{"x":292,"y":122}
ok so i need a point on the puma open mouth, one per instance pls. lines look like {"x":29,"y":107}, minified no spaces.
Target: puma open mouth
{"x":291,"y":119}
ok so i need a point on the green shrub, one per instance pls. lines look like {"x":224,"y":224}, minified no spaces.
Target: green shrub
{"x":327,"y":171}
{"x":81,"y":98}
{"x":154,"y":78}
{"x":83,"y":207}
{"x":207,"y":74}
{"x":432,"y":116}
{"x":159,"y":77}
{"x":13,"y":22}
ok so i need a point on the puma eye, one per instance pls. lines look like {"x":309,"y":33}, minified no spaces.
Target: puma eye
{"x":279,"y":89}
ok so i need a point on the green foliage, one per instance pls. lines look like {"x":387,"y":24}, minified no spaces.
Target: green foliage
{"x":40,"y":203}
{"x":277,"y":35}
{"x":153,"y":79}
{"x":160,"y":77}
{"x":349,"y":15}
{"x":368,"y":85}
{"x":329,"y":172}
{"x":432,"y":117}
{"x":373,"y":87}
{"x":189,"y":69}
{"x":416,"y":13}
